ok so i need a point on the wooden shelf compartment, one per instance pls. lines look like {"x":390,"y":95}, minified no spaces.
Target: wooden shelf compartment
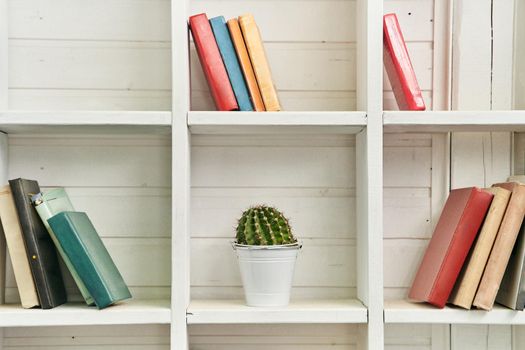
{"x":100,"y":122}
{"x":276,"y":122}
{"x":299,"y":311}
{"x":74,"y":314}
{"x":448,"y":121}
{"x":402,"y":311}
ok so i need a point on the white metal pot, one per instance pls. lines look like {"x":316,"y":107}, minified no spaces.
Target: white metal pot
{"x":267,"y":273}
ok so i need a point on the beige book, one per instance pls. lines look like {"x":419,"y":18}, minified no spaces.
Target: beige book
{"x":503,"y":245}
{"x":17,"y":249}
{"x":470,"y":276}
{"x":255,"y":47}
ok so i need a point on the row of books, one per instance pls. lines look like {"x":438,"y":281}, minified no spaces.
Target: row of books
{"x":42,"y":227}
{"x":477,"y":252}
{"x":234,"y":62}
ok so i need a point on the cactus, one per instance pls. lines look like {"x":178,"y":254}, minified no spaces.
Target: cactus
{"x":262,"y":225}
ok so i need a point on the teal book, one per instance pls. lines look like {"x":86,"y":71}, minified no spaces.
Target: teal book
{"x":90,"y":258}
{"x":48,"y":204}
{"x":229,"y":57}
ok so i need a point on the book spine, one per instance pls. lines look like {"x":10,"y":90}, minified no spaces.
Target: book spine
{"x":503,"y":246}
{"x":41,"y":251}
{"x":17,"y":249}
{"x":470,"y":277}
{"x":399,"y":67}
{"x":212,"y":64}
{"x":246,"y":65}
{"x":466,"y":231}
{"x":259,"y":61}
{"x":225,"y":44}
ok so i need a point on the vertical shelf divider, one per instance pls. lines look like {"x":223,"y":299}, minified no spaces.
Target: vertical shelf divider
{"x":4,"y":90}
{"x":369,"y":149}
{"x":180,"y":235}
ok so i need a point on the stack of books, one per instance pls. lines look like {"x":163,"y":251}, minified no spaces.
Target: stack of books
{"x":234,"y":63}
{"x":39,"y":228}
{"x":477,"y":252}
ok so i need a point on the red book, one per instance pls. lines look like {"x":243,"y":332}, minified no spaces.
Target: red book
{"x":399,"y":67}
{"x":453,"y":236}
{"x":212,"y":64}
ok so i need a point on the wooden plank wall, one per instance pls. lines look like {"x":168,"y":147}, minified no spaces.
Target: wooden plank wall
{"x":89,"y":55}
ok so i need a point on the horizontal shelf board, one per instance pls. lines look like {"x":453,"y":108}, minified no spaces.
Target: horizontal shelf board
{"x":74,"y":314}
{"x":106,"y":122}
{"x":402,"y":311}
{"x":447,"y":121}
{"x":276,"y":122}
{"x":304,"y":311}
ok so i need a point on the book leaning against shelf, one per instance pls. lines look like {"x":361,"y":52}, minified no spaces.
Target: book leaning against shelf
{"x":40,"y":226}
{"x":476,"y":255}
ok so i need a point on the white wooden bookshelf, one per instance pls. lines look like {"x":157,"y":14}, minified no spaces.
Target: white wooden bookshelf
{"x":117,"y":111}
{"x":217,"y":123}
{"x":401,"y":311}
{"x":454,"y":121}
{"x":76,"y":314}
{"x":78,"y":122}
{"x":302,"y":311}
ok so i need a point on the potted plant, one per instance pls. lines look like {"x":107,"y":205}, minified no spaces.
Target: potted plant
{"x":266,"y":250}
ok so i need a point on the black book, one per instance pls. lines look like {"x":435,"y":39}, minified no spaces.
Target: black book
{"x":41,"y":250}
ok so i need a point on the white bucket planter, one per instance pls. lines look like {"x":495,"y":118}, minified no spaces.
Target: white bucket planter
{"x":267,"y":273}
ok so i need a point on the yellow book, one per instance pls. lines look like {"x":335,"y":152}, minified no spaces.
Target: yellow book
{"x":502,"y":249}
{"x":468,"y":281}
{"x":255,"y":47}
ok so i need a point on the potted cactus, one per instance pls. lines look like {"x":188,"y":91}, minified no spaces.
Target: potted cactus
{"x":266,"y":250}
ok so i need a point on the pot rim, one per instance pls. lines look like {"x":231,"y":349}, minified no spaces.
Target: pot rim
{"x":290,"y":246}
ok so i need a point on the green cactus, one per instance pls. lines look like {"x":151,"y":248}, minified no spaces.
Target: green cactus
{"x":263,"y":225}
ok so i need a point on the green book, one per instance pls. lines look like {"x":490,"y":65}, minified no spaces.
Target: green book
{"x":89,"y":256}
{"x":48,"y":204}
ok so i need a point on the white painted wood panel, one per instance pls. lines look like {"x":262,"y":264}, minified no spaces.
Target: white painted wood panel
{"x":94,"y":100}
{"x":289,"y":337}
{"x":97,"y":162}
{"x":116,"y":20}
{"x":89,"y":65}
{"x":151,"y":337}
{"x":518,"y":101}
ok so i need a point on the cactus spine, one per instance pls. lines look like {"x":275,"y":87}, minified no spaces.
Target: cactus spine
{"x":262,"y":225}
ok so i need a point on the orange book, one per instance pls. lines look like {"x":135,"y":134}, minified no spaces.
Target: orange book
{"x":246,"y":65}
{"x":255,"y":47}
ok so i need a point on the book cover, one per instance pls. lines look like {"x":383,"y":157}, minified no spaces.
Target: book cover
{"x":17,"y":249}
{"x":470,"y":276}
{"x":89,"y":256}
{"x":229,"y":57}
{"x":453,"y":236}
{"x":48,"y":204}
{"x":503,"y":246}
{"x":41,"y":250}
{"x":212,"y":64}
{"x":246,"y":65}
{"x":511,"y":291}
{"x":255,"y":47}
{"x":399,"y":67}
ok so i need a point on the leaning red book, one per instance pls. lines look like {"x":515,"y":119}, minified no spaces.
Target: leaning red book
{"x":451,"y":241}
{"x":399,"y":67}
{"x":212,"y":64}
